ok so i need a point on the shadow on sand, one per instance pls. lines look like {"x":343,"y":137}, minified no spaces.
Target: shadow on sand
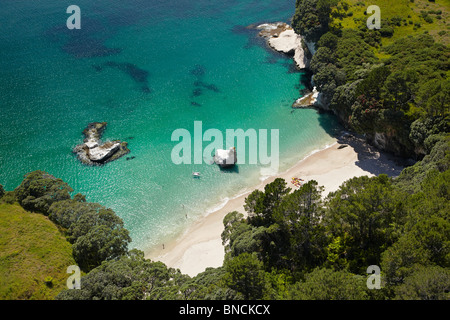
{"x":370,"y":158}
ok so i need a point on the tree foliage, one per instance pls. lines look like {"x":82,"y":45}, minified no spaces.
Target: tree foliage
{"x":129,"y":278}
{"x":39,"y":190}
{"x":363,"y":211}
{"x":425,"y":283}
{"x":312,"y":18}
{"x":293,"y":244}
{"x":97,"y":233}
{"x":383,"y":96}
{"x":246,"y":275}
{"x":326,"y":284}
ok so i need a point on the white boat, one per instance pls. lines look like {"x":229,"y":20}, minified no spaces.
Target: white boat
{"x":196,"y":174}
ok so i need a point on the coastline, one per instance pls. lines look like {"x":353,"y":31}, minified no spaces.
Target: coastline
{"x":200,"y":246}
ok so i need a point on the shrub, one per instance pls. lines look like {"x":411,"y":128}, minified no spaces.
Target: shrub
{"x":39,"y":190}
{"x":387,"y":32}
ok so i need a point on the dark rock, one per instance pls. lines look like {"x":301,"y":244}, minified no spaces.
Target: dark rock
{"x":94,"y":152}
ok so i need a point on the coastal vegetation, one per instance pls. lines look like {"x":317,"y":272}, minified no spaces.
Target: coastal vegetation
{"x":293,"y":244}
{"x":95,"y":232}
{"x":389,"y":84}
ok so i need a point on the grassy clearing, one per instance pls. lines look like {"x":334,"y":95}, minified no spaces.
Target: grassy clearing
{"x":34,"y":255}
{"x":411,"y":17}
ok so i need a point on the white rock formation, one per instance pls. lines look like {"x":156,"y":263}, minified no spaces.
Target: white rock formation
{"x":281,"y":37}
{"x":101,"y":153}
{"x":289,"y":42}
{"x":225,"y":158}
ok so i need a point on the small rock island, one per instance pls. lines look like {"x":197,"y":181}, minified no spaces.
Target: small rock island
{"x":282,"y":38}
{"x":225,"y":158}
{"x":93,"y":152}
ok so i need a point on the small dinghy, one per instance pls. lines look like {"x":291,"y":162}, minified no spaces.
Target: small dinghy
{"x":196,"y":174}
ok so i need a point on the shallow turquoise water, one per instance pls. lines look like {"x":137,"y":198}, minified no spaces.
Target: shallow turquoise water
{"x":147,"y":68}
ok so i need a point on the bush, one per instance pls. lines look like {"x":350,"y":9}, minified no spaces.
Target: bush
{"x":131,"y":277}
{"x":428,"y":19}
{"x":426,"y":283}
{"x":100,"y":244}
{"x":39,"y":190}
{"x":245,"y":274}
{"x":326,"y":284}
{"x":387,"y":32}
{"x":312,"y":18}
{"x":9,"y":197}
{"x":97,"y":233}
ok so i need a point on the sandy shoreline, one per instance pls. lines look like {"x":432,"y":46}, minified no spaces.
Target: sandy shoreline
{"x":201,"y":246}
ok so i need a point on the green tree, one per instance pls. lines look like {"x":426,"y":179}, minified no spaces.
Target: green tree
{"x":132,"y":277}
{"x":438,"y":159}
{"x":337,"y":252}
{"x":39,"y":190}
{"x":298,"y":216}
{"x":246,"y":275}
{"x":371,"y":86}
{"x":423,"y":129}
{"x":100,"y":244}
{"x":2,"y":191}
{"x":399,"y":89}
{"x":209,"y":285}
{"x":326,"y":284}
{"x":260,"y":205}
{"x":434,"y":97}
{"x":67,"y":212}
{"x":364,"y":210}
{"x":312,"y":18}
{"x":425,"y":283}
{"x":427,"y":243}
{"x":90,"y":219}
{"x":328,"y":40}
{"x":431,"y":199}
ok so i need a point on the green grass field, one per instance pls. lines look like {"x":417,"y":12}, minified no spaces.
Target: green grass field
{"x":411,"y":16}
{"x":34,"y":255}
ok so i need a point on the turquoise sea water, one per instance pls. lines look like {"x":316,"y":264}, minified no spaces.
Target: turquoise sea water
{"x":147,"y":68}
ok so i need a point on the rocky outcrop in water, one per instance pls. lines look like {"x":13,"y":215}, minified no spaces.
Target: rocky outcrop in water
{"x":225,"y":158}
{"x":309,"y":100}
{"x":282,"y":38}
{"x":93,"y":152}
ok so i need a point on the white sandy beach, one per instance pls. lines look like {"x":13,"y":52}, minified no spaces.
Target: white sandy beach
{"x":201,"y":246}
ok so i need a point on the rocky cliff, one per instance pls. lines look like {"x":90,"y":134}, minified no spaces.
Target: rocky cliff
{"x":281,"y":37}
